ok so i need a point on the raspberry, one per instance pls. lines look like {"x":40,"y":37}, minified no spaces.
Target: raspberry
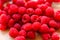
{"x":36,"y":26}
{"x":11,"y":23}
{"x":42,"y":7}
{"x":45,"y":19}
{"x":5,"y":9}
{"x":14,"y":1}
{"x":16,"y":17}
{"x":40,"y":1}
{"x":49,"y":11}
{"x":51,"y":30}
{"x":50,"y":1}
{"x":44,"y":28}
{"x":30,"y":11}
{"x":27,"y":0}
{"x":3,"y":19}
{"x":31,"y":4}
{"x":38,"y":11}
{"x":39,"y":19}
{"x":27,"y":27}
{"x":13,"y":32}
{"x":1,"y":5}
{"x":31,"y":34}
{"x":49,"y":4}
{"x":20,"y":38}
{"x":0,"y":12}
{"x":22,"y":10}
{"x":57,"y":16}
{"x":3,"y":27}
{"x":53,"y":24}
{"x":13,"y":9}
{"x":46,"y":36}
{"x":25,"y":18}
{"x":17,"y":26}
{"x":20,"y":2}
{"x":22,"y":33}
{"x":55,"y":36}
{"x":34,"y":18}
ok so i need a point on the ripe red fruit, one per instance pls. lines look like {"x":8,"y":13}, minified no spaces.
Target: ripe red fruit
{"x":27,"y":27}
{"x":22,"y":33}
{"x":20,"y":2}
{"x":30,"y":11}
{"x":49,"y":4}
{"x":55,"y":36}
{"x":50,"y":1}
{"x":13,"y":32}
{"x":49,"y":11}
{"x":51,"y":30}
{"x":44,"y":28}
{"x":36,"y":26}
{"x":31,"y":4}
{"x":11,"y":23}
{"x":31,"y":34}
{"x":22,"y":10}
{"x":17,"y":26}
{"x":42,"y":7}
{"x":3,"y":27}
{"x":14,"y":1}
{"x":20,"y":38}
{"x":34,"y":18}
{"x":53,"y":23}
{"x":46,"y":36}
{"x":25,"y":18}
{"x":13,"y":9}
{"x":27,"y":0}
{"x":40,"y":1}
{"x":1,"y":5}
{"x":57,"y":16}
{"x":16,"y":17}
{"x":45,"y":19}
{"x":39,"y":19}
{"x":38,"y":11}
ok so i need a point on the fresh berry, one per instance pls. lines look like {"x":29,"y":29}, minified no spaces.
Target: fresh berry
{"x":31,"y":34}
{"x":34,"y":18}
{"x":13,"y":32}
{"x":36,"y":26}
{"x":27,"y":27}
{"x":25,"y":18}
{"x":40,"y":1}
{"x":38,"y":11}
{"x":22,"y":33}
{"x":20,"y":38}
{"x":22,"y":10}
{"x":44,"y":28}
{"x":49,"y":11}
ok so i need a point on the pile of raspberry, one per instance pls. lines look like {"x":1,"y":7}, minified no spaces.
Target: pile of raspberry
{"x":25,"y":18}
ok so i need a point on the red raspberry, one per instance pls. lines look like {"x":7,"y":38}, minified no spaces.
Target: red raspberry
{"x":5,"y":9}
{"x":55,"y":36}
{"x":16,"y":17}
{"x":13,"y":32}
{"x":27,"y":0}
{"x":20,"y":2}
{"x":20,"y":38}
{"x":57,"y":16}
{"x":31,"y":34}
{"x":49,"y":11}
{"x":50,"y":1}
{"x":42,"y":7}
{"x":22,"y":33}
{"x":3,"y":27}
{"x":1,"y":5}
{"x":22,"y":10}
{"x":46,"y":36}
{"x":17,"y":26}
{"x":56,"y":0}
{"x":25,"y":18}
{"x":40,"y":1}
{"x":31,"y":4}
{"x":36,"y":26}
{"x":45,"y":19}
{"x":39,"y":19}
{"x":44,"y":28}
{"x":38,"y":11}
{"x":11,"y":23}
{"x":14,"y":1}
{"x":0,"y":12}
{"x":4,"y":19}
{"x":30,"y":11}
{"x":34,"y":18}
{"x":49,"y":4}
{"x":51,"y":30}
{"x":53,"y":24}
{"x":13,"y":9}
{"x":27,"y":27}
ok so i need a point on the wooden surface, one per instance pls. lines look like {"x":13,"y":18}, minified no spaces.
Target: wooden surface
{"x":4,"y":35}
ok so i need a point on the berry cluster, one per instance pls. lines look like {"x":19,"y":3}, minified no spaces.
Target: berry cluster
{"x":26,"y":17}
